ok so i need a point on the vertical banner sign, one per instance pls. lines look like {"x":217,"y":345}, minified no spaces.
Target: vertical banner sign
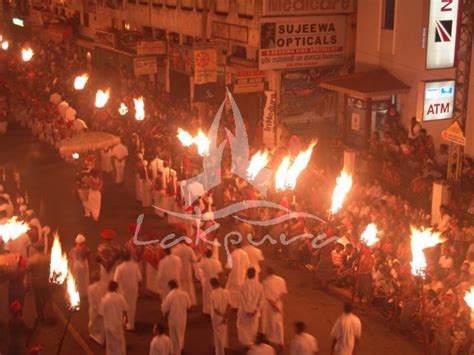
{"x":269,"y":113}
{"x":442,"y":33}
{"x":205,"y":66}
{"x":439,"y":100}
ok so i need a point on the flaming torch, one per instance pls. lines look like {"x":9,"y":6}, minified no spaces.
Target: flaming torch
{"x":74,"y":302}
{"x":257,"y":163}
{"x":101,"y":98}
{"x":12,"y":229}
{"x":139,"y":108}
{"x":5,"y":45}
{"x":202,"y":143}
{"x":123,"y":109}
{"x":58,"y":264}
{"x":469,"y":298}
{"x":185,"y":138}
{"x":369,"y":236}
{"x":343,"y":186}
{"x":27,"y":54}
{"x":280,"y":176}
{"x":81,"y":81}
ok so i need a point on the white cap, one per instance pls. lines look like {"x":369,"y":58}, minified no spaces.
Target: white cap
{"x":80,"y":239}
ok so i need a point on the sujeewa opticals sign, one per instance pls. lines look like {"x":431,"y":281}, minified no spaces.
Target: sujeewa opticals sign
{"x":442,"y":33}
{"x":439,"y":100}
{"x":300,"y":42}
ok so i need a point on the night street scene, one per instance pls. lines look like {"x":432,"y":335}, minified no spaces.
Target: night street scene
{"x":232,"y":177}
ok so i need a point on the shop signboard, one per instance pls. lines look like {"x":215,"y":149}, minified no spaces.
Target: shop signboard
{"x":151,"y":48}
{"x":306,"y":7}
{"x":145,"y":66}
{"x":438,"y":100}
{"x":269,"y":113}
{"x":205,"y":66}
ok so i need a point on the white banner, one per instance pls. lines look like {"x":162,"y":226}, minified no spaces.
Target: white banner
{"x":145,"y":66}
{"x":439,"y":100}
{"x":442,"y":33}
{"x":299,"y":42}
{"x":269,"y":118}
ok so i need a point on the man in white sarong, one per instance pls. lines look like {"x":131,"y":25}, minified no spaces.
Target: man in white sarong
{"x":220,"y":311}
{"x":128,"y":277}
{"x":113,"y":308}
{"x":175,"y":306}
{"x":95,"y":292}
{"x":261,"y":347}
{"x":255,"y":258}
{"x":119,"y":155}
{"x":346,"y":332}
{"x":106,"y":160}
{"x":79,"y":264}
{"x":161,"y":343}
{"x":188,"y":261}
{"x":272,"y":313}
{"x":209,"y":268}
{"x":169,"y":268}
{"x":251,"y":297}
{"x":303,"y":343}
{"x":238,"y":265}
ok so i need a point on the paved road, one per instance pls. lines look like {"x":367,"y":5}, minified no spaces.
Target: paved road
{"x":50,"y":185}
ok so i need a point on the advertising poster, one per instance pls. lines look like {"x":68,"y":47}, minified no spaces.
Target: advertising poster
{"x":269,"y":113}
{"x":205,"y":66}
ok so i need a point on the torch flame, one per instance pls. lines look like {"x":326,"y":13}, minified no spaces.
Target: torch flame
{"x":123,"y":110}
{"x":185,"y":138}
{"x":5,"y":45}
{"x":369,"y":236}
{"x":202,"y":143}
{"x":469,"y":298}
{"x":257,"y":163}
{"x":101,"y":98}
{"x":139,"y":108}
{"x":343,"y":186}
{"x":287,"y":174}
{"x":420,"y":240}
{"x":27,"y":54}
{"x":75,"y":156}
{"x":12,"y":229}
{"x":58,"y":266}
{"x":74,"y":298}
{"x":81,"y":81}
{"x":280,"y":176}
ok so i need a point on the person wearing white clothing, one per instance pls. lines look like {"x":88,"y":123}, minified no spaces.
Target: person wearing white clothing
{"x":119,"y":155}
{"x":175,"y":306}
{"x":346,"y":332}
{"x":261,"y":347}
{"x":128,"y":276}
{"x":272,"y":313}
{"x":209,"y":268}
{"x":79,"y":264}
{"x":113,"y":308}
{"x":169,"y":268}
{"x":255,"y":258}
{"x":161,"y":343}
{"x":188,"y":261}
{"x":220,"y":306}
{"x":95,"y":292}
{"x":303,"y":343}
{"x":238,"y":265}
{"x":251,"y":297}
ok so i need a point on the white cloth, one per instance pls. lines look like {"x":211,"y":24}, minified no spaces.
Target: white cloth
{"x":80,"y":271}
{"x":251,"y":297}
{"x":106,"y":160}
{"x":169,"y":268}
{"x":220,"y":301}
{"x":304,"y":344}
{"x":255,"y":257}
{"x":96,"y":328}
{"x":161,"y":345}
{"x":128,"y":276}
{"x":272,"y":321}
{"x":112,"y":308}
{"x":94,"y":203}
{"x":70,"y":114}
{"x":261,"y":349}
{"x":188,"y":261}
{"x":19,"y":245}
{"x":119,"y":155}
{"x":209,"y":268}
{"x":176,"y":305}
{"x":156,"y":166}
{"x":345,"y":331}
{"x":238,"y":272}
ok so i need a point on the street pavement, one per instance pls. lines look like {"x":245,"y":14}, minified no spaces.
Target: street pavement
{"x":50,"y":183}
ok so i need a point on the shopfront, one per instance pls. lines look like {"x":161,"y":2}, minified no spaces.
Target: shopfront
{"x":181,"y":71}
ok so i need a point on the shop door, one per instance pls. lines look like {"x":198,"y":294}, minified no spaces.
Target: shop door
{"x":179,"y":85}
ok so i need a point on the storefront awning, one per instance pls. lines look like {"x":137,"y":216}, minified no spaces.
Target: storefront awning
{"x":366,"y":85}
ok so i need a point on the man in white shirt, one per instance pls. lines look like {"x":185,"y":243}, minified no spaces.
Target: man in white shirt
{"x":261,"y":347}
{"x":272,"y":313}
{"x":251,"y":298}
{"x":95,"y":292}
{"x":119,"y":155}
{"x":175,"y":306}
{"x":169,"y":268}
{"x":209,"y":268}
{"x":238,"y":265}
{"x":161,"y":343}
{"x":220,"y":310}
{"x":113,"y":308}
{"x":303,"y":343}
{"x":19,"y":245}
{"x":255,"y":258}
{"x":346,"y":332}
{"x":128,"y":276}
{"x":188,"y":261}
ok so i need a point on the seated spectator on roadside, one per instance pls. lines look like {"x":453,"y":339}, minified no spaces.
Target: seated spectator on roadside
{"x":414,"y":129}
{"x":441,"y":157}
